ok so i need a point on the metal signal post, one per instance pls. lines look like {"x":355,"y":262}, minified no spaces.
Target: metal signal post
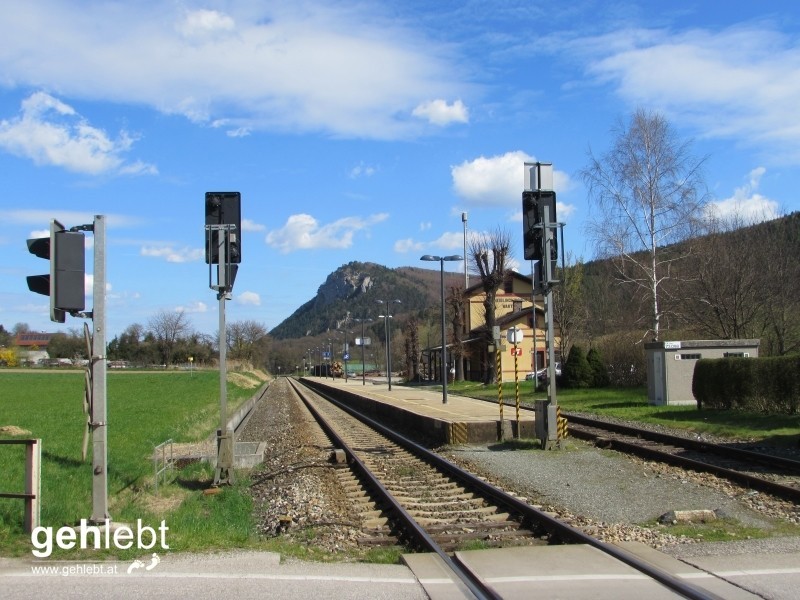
{"x":223,"y":248}
{"x":540,"y":235}
{"x":65,"y":249}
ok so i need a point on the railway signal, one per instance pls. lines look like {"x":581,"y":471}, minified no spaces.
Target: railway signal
{"x":224,"y":208}
{"x":65,"y":283}
{"x":223,"y":226}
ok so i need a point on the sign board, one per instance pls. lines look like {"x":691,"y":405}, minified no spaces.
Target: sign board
{"x":363,"y":341}
{"x":672,"y":345}
{"x":326,"y":354}
{"x":516,"y":352}
{"x":346,"y":357}
{"x":496,"y":332}
{"x":514,"y":335}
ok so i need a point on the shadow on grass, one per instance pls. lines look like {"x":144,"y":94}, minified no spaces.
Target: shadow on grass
{"x":619,"y":405}
{"x":193,"y":484}
{"x":65,"y":461}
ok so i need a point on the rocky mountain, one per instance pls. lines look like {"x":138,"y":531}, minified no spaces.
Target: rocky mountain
{"x":352,"y":291}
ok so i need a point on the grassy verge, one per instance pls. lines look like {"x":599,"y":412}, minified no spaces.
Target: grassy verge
{"x":144,"y":409}
{"x":631,"y":404}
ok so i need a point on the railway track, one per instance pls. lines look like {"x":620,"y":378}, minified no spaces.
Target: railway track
{"x":413,"y":495}
{"x":768,"y":473}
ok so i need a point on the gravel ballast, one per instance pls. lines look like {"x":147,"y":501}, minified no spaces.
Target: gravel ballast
{"x":609,"y":495}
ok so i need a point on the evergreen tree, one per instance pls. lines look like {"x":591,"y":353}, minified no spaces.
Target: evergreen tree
{"x":577,"y":373}
{"x":600,"y":376}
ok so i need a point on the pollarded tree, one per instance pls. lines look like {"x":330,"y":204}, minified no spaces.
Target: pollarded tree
{"x":490,"y":254}
{"x":647,"y":190}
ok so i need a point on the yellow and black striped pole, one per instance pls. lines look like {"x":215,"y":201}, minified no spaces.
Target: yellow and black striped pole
{"x":516,"y":385}
{"x":499,"y":390}
{"x":561,"y":424}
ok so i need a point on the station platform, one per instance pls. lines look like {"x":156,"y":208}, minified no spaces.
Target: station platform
{"x":574,"y":571}
{"x":461,"y":421}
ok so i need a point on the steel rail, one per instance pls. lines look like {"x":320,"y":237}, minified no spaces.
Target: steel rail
{"x":478,"y":588}
{"x":700,"y":446}
{"x":745,"y":479}
{"x":558,"y":529}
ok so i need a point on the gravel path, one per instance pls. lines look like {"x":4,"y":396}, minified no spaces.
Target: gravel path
{"x":605,"y":485}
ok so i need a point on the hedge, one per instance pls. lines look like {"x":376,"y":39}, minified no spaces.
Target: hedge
{"x":770,"y":385}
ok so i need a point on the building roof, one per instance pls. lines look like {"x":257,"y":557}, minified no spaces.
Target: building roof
{"x":477,"y":288}
{"x":26,"y":340}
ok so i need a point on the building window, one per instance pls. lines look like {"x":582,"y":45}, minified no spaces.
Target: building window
{"x":734,"y":355}
{"x":689,"y":356}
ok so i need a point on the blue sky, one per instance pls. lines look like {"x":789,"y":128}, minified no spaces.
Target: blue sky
{"x":357,"y":130}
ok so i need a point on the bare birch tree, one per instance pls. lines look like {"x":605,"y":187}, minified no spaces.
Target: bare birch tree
{"x":647,"y":190}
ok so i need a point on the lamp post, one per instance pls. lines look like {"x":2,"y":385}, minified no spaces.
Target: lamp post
{"x":345,"y":350}
{"x":441,"y":260}
{"x":388,"y":332}
{"x":363,"y":368}
{"x":466,"y":271}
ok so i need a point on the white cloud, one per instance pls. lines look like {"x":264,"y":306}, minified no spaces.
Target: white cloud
{"x":304,"y":232}
{"x":439,"y":112}
{"x":194,"y":307}
{"x":408,"y":245}
{"x":349,"y":69}
{"x":361,"y":170}
{"x":50,"y":132}
{"x":239,"y":132}
{"x":497,"y":180}
{"x":446,"y":241}
{"x":204,"y":24}
{"x":250,"y":225}
{"x":742,"y":82}
{"x":68,"y":218}
{"x":249,"y":298}
{"x":171,"y":254}
{"x":746,"y":206}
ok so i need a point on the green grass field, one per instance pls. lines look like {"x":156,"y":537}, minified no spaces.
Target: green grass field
{"x":144,"y":409}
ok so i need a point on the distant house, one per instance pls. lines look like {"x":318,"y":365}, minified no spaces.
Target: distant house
{"x":30,"y":339}
{"x":514,"y":308}
{"x":33,"y":346}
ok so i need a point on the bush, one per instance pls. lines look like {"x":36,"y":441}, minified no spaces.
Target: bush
{"x":599,"y":371}
{"x":769,"y":385}
{"x":625,"y":359}
{"x":576,"y":372}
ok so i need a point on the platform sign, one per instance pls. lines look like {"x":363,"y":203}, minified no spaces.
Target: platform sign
{"x":516,"y":352}
{"x":326,"y":355}
{"x":514,"y":335}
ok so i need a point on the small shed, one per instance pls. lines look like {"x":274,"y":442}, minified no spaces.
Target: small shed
{"x":670,"y":365}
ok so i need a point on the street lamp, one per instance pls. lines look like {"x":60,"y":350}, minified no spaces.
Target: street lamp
{"x":441,"y":260}
{"x":388,"y":332}
{"x":363,"y":368}
{"x":345,"y":350}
